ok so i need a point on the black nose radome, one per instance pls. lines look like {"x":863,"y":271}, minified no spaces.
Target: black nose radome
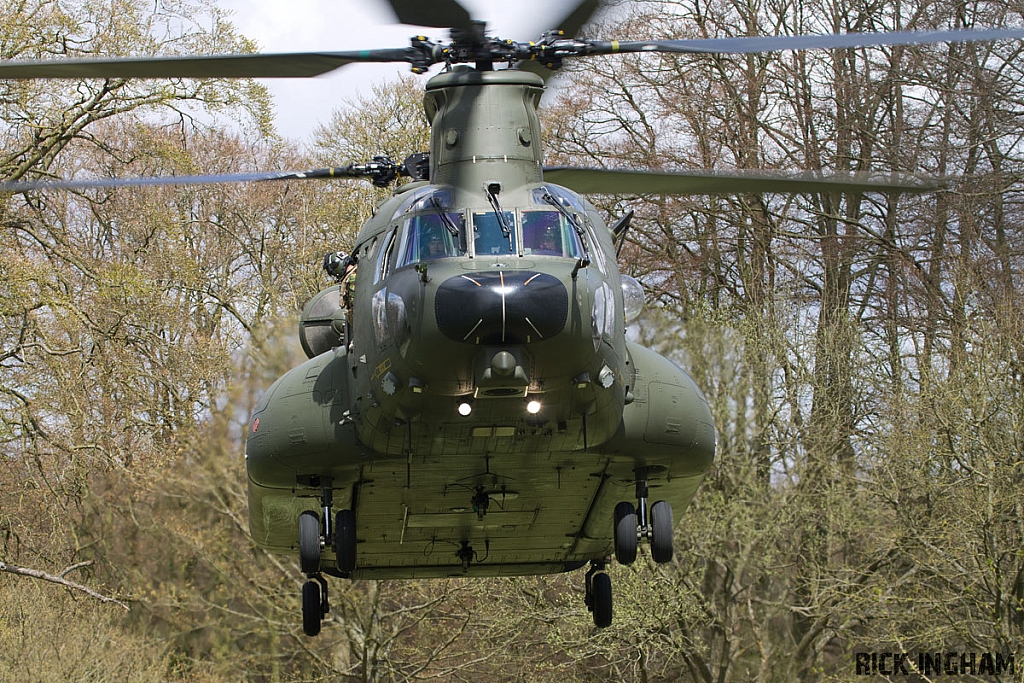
{"x":501,"y":307}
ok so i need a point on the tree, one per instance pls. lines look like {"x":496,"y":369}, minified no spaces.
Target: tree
{"x":821,"y":325}
{"x":95,"y":381}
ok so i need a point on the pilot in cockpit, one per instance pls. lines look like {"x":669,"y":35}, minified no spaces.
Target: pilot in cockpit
{"x":433,"y":246}
{"x":542,"y":233}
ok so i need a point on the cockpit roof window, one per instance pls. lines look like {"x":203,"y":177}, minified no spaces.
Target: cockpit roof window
{"x":567,"y":199}
{"x":426,"y":199}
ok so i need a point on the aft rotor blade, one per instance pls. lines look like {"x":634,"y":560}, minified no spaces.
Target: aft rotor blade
{"x":281,"y":65}
{"x":758,"y":44}
{"x":329,"y":172}
{"x":433,"y":13}
{"x":612,"y":181}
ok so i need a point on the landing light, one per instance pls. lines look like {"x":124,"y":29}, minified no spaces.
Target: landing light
{"x":533,"y":407}
{"x":632,"y":298}
{"x":465,"y":408}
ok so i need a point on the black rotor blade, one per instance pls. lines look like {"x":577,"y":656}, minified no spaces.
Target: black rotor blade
{"x":433,"y":13}
{"x":329,"y":172}
{"x":612,"y":181}
{"x":578,"y":17}
{"x":757,"y":44}
{"x":570,"y":25}
{"x":280,"y":65}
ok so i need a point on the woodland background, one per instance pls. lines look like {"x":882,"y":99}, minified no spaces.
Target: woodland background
{"x":862,"y":355}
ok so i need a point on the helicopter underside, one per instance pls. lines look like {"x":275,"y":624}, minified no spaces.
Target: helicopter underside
{"x":469,"y":498}
{"x":545,"y":512}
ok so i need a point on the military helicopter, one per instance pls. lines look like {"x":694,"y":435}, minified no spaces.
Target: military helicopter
{"x":471,"y":405}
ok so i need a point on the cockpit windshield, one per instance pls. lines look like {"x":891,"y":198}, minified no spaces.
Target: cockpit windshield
{"x":491,"y":237}
{"x":547,"y":233}
{"x":435,"y":231}
{"x":429,"y":236}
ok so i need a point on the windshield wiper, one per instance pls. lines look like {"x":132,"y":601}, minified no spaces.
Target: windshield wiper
{"x":492,"y":196}
{"x":445,"y":218}
{"x":575,"y":222}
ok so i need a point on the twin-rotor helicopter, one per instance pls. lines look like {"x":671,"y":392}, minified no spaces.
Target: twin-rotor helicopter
{"x":471,"y":405}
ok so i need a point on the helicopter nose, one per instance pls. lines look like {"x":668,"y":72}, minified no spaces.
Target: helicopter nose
{"x":501,"y":307}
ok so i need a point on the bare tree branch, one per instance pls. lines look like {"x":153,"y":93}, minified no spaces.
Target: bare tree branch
{"x":59,"y":579}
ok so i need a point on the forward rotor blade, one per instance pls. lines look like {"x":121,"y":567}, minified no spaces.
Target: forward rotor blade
{"x":280,"y":65}
{"x":329,"y":172}
{"x":758,"y":44}
{"x":578,"y":17}
{"x":612,"y":181}
{"x":433,"y":13}
{"x":570,"y":25}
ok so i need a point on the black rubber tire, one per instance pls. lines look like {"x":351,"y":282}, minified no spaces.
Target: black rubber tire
{"x":625,"y":533}
{"x":309,"y":542}
{"x":345,"y":540}
{"x":601,"y":587}
{"x":661,"y":532}
{"x":311,"y":616}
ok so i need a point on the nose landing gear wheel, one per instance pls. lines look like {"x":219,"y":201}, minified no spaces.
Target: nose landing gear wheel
{"x":309,"y":542}
{"x":345,"y":540}
{"x":654,"y":524}
{"x":625,"y":533}
{"x":661,"y":532}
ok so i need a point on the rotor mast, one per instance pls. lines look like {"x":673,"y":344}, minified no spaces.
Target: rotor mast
{"x":484,"y":127}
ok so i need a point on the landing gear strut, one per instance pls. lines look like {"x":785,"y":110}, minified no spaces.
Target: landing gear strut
{"x":632,"y":524}
{"x":312,"y":540}
{"x":315,"y":604}
{"x":467,"y":555}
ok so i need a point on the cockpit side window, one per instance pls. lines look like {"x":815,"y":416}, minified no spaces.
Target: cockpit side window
{"x":384,"y":257}
{"x":491,"y":237}
{"x":429,"y":236}
{"x":595,"y":251}
{"x":547,"y":233}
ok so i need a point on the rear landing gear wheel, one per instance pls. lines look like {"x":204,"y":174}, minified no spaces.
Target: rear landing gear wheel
{"x":345,"y":540}
{"x":625,"y":533}
{"x":602,"y":600}
{"x":661,"y":532}
{"x":311,"y":608}
{"x":598,"y":592}
{"x":309,"y":542}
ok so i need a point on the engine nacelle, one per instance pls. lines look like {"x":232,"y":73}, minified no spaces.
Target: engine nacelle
{"x":323,"y":323}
